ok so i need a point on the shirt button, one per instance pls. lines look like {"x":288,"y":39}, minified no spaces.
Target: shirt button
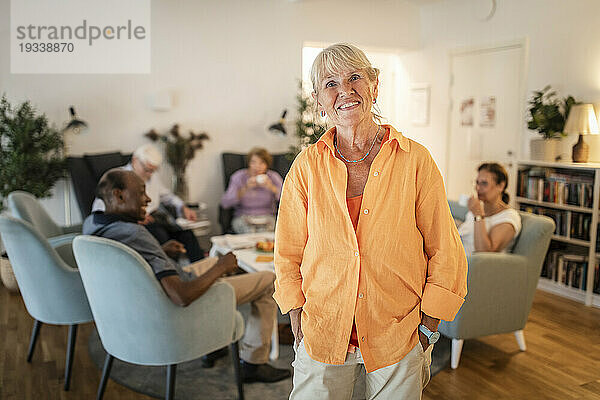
{"x":366,"y":211}
{"x":356,"y":253}
{"x":360,"y":295}
{"x":375,"y":173}
{"x":362,"y":338}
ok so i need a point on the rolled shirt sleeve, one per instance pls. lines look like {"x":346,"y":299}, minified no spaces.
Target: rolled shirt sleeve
{"x":446,"y":282}
{"x":291,"y":234}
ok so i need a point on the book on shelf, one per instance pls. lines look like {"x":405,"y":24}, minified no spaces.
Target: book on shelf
{"x":566,"y":269}
{"x":580,"y":226}
{"x":560,"y":217}
{"x":550,"y":186}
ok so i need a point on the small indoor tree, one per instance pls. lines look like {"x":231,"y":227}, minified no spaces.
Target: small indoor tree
{"x":309,"y":128}
{"x":31,"y":151}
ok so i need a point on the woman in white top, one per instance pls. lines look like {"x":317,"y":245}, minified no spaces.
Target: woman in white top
{"x":491,"y":224}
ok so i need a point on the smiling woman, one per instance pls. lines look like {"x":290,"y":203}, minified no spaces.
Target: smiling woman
{"x":363,"y":222}
{"x":393,"y":80}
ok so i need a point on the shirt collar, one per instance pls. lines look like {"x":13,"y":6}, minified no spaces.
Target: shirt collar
{"x":101,"y":218}
{"x":327,"y":139}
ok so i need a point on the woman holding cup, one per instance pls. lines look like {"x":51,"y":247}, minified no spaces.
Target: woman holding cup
{"x":490,"y":224}
{"x":254,"y":192}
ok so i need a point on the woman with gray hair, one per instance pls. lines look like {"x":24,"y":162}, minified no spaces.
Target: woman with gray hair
{"x":367,"y":256}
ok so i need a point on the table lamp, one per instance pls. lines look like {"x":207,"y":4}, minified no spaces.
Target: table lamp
{"x":581,"y":121}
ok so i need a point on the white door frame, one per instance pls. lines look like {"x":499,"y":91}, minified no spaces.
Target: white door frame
{"x":523,"y":44}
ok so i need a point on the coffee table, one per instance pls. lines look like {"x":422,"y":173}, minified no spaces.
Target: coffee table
{"x":243,"y":247}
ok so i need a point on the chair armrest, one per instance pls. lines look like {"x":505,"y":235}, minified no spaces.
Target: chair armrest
{"x":208,"y":323}
{"x":496,"y":298}
{"x":63,"y":245}
{"x":77,"y":228}
{"x":61,"y":240}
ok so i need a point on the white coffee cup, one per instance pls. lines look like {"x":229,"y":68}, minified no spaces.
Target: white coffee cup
{"x":262,"y":178}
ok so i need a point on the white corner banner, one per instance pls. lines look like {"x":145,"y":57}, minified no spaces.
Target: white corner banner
{"x":80,"y":37}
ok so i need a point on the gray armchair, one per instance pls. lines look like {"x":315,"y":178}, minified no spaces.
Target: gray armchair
{"x":139,"y":324}
{"x":26,"y":206}
{"x":500,"y":286}
{"x":52,"y":291}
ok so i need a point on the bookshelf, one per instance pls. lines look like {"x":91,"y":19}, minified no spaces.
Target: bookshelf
{"x":569,"y":193}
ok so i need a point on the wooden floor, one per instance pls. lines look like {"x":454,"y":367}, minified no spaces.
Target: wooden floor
{"x":562,"y":360}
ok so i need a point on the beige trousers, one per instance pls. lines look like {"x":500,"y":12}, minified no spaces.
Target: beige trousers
{"x":404,"y":380}
{"x":257,"y":289}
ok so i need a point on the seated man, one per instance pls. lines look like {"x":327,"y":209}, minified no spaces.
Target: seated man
{"x":145,"y":162}
{"x":125,"y":199}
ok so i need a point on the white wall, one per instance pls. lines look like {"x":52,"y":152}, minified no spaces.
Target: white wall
{"x":231,"y":64}
{"x":564,"y":51}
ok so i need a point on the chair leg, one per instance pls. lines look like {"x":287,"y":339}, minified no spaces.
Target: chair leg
{"x":235,"y":355}
{"x":70,"y":353}
{"x":34,"y":335}
{"x":170,"y":391}
{"x":457,"y":345}
{"x":521,"y":340}
{"x":105,"y":375}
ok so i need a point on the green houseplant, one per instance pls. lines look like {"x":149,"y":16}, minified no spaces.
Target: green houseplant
{"x":547,"y":115}
{"x":31,"y":151}
{"x":179,"y":151}
{"x":31,"y":156}
{"x":308,"y":126}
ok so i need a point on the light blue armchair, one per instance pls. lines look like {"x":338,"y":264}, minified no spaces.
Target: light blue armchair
{"x":27,"y":207}
{"x":51,"y":289}
{"x":500,"y":286}
{"x":139,"y":324}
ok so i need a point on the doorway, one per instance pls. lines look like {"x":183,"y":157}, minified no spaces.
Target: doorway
{"x":486,"y":119}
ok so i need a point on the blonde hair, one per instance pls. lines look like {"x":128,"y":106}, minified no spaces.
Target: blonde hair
{"x":340,"y":57}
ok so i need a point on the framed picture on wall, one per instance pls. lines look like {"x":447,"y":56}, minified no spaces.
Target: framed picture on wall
{"x":466,"y":111}
{"x":487,"y":112}
{"x":419,"y":104}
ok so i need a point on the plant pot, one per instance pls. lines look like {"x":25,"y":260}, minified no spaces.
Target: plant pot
{"x":7,"y":275}
{"x":545,"y":150}
{"x":565,"y":148}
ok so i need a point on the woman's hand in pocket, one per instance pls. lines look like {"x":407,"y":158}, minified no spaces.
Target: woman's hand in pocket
{"x":296,"y":323}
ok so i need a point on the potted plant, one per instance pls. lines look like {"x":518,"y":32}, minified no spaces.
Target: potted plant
{"x":309,"y":127}
{"x":548,"y":114}
{"x":31,"y":158}
{"x":179,"y":151}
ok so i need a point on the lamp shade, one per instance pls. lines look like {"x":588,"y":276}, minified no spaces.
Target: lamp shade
{"x":582,"y":120}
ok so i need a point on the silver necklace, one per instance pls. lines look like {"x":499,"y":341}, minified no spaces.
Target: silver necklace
{"x":363,"y":157}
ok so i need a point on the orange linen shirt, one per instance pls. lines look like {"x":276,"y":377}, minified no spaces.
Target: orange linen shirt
{"x":405,"y":257}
